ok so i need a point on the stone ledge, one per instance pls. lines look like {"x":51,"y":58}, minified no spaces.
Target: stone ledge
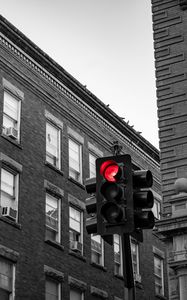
{"x":78,"y":284}
{"x":98,"y":292}
{"x":57,"y":275}
{"x":9,"y":253}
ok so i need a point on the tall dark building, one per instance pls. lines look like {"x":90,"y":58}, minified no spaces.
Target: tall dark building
{"x":53,"y":129}
{"x":170,"y":41}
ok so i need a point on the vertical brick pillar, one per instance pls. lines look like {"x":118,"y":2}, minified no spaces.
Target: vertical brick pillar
{"x":170,"y":43}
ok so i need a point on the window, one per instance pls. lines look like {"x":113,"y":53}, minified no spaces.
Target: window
{"x":53,"y":145}
{"x":9,"y":193}
{"x":75,"y":229}
{"x":92,"y":169}
{"x":156,"y":209}
{"x":97,"y":251}
{"x":52,"y":218}
{"x":75,"y":161}
{"x":158,"y":273}
{"x":52,"y":289}
{"x":117,"y":255}
{"x":11,"y":115}
{"x":7,"y":273}
{"x":76,"y":295}
{"x":135,"y":256}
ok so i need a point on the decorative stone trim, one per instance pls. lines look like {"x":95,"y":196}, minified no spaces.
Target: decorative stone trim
{"x":9,"y":253}
{"x":77,"y":284}
{"x":10,"y":87}
{"x":53,"y":188}
{"x":53,"y":119}
{"x":98,"y":292}
{"x":95,"y":150}
{"x":10,"y":162}
{"x":76,"y":202}
{"x":158,"y":252}
{"x":87,"y":109}
{"x":57,"y":275}
{"x":117,"y":298}
{"x":76,"y":135}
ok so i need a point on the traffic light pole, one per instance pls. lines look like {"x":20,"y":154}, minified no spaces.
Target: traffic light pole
{"x":121,"y":205}
{"x":127,"y":268}
{"x":126,"y":249}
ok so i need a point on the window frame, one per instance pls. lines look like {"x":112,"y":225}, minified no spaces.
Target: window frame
{"x":59,"y":286}
{"x":156,"y":256}
{"x":13,"y":273}
{"x":78,"y":291}
{"x":79,"y":178}
{"x":17,"y":122}
{"x":80,"y":234}
{"x":95,"y":156}
{"x":120,"y":264}
{"x":15,"y":187}
{"x":58,"y":157}
{"x":102,"y":251}
{"x":59,"y":205}
{"x":134,"y":242}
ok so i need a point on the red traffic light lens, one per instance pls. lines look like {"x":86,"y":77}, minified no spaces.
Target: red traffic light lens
{"x":110,"y":170}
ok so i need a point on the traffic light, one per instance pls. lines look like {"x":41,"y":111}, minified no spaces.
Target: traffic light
{"x":120,"y":200}
{"x":90,"y":203}
{"x":114,"y":194}
{"x":143,"y":201}
{"x":91,"y":208}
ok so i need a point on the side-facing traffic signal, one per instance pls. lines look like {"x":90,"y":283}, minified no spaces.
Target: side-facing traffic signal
{"x":113,"y":193}
{"x":120,"y":199}
{"x":143,"y":200}
{"x":91,"y":208}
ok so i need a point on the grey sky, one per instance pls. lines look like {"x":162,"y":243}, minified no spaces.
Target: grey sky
{"x":105,"y":44}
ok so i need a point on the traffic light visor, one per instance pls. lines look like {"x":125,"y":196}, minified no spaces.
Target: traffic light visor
{"x":110,"y":170}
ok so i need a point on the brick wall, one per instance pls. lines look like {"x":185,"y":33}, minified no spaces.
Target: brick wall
{"x":28,"y":237}
{"x":170,"y":43}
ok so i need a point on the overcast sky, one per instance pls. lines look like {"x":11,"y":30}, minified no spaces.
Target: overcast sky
{"x":105,"y":44}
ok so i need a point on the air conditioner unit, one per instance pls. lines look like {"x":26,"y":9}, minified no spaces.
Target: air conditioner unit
{"x":11,"y":132}
{"x":76,"y":246}
{"x":9,"y":212}
{"x":137,"y":277}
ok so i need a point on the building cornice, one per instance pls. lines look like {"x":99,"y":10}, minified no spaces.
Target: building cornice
{"x":41,"y":63}
{"x":171,"y":226}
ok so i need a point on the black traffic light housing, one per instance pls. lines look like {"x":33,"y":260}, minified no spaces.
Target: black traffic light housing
{"x":120,"y":199}
{"x":143,"y":201}
{"x":114,"y":194}
{"x":91,"y":208}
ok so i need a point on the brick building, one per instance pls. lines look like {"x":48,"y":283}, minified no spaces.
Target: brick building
{"x":170,"y":41}
{"x":53,"y":129}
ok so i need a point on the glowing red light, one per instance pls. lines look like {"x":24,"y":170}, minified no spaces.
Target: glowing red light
{"x":109,"y":169}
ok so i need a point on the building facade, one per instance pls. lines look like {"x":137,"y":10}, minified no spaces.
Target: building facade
{"x":53,"y":129}
{"x":170,"y":42}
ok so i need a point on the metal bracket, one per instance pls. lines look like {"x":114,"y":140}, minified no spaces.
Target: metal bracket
{"x":116,"y":148}
{"x":127,"y":268}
